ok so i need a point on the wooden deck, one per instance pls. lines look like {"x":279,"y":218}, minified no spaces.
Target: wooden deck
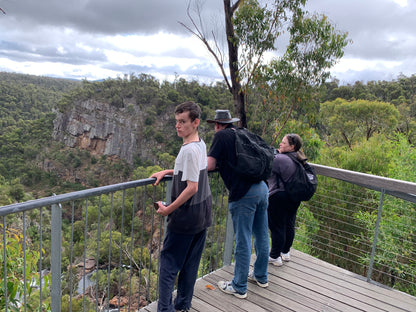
{"x":303,"y":284}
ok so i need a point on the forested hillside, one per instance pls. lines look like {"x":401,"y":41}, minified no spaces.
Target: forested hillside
{"x":27,"y":97}
{"x":339,"y":120}
{"x":32,"y":159}
{"x":26,"y":115}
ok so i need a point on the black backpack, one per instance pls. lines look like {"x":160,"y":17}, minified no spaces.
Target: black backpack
{"x":254,"y":156}
{"x":303,"y":183}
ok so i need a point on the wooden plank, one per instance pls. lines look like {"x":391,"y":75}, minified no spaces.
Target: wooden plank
{"x":339,"y":288}
{"x":200,"y":305}
{"x":303,"y":284}
{"x":325,"y":288}
{"x":353,"y":278}
{"x":270,"y":298}
{"x":212,"y":298}
{"x":229,"y":302}
{"x":150,"y":308}
{"x":306,"y":297}
{"x":365,"y":291}
{"x":353,"y":281}
{"x":296,"y":292}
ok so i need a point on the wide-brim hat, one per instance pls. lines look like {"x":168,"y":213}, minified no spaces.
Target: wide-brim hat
{"x":223,"y":116}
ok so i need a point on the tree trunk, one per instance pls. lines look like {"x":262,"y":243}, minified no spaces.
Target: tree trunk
{"x":236,"y":89}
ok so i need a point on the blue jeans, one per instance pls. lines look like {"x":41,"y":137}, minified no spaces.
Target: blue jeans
{"x":181,"y":253}
{"x":249,"y":215}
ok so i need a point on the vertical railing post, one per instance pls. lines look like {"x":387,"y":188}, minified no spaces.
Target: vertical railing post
{"x":4,"y":251}
{"x":229,"y":240}
{"x":56,"y":241}
{"x":376,"y":231}
{"x":167,"y":199}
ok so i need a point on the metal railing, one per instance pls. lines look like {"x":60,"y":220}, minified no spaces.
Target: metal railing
{"x":94,"y":250}
{"x":97,"y":249}
{"x":363,"y":223}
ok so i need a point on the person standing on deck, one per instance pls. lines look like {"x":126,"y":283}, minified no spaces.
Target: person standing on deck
{"x":189,"y":213}
{"x":282,"y":209}
{"x":247,"y":203}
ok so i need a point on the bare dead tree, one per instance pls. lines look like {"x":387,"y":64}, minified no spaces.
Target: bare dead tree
{"x":233,"y":82}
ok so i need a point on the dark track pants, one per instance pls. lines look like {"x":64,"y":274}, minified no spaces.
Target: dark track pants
{"x":282,"y":217}
{"x":181,"y":253}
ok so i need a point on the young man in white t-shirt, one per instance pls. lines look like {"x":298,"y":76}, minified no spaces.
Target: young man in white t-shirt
{"x":189,"y":213}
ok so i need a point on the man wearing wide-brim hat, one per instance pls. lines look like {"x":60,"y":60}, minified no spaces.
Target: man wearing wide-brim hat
{"x":223,"y":116}
{"x":247,"y":203}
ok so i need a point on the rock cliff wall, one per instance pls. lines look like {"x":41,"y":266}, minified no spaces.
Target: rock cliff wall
{"x":103,"y":129}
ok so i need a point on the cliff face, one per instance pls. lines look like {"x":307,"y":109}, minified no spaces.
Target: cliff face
{"x":103,"y":129}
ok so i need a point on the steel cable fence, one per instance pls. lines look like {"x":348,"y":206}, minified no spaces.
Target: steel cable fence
{"x":342,"y":224}
{"x":98,"y":249}
{"x":93,"y":250}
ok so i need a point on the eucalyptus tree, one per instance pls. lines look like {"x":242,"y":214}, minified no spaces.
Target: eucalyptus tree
{"x":289,"y":85}
{"x":407,"y":122}
{"x":347,"y":122}
{"x":252,"y":29}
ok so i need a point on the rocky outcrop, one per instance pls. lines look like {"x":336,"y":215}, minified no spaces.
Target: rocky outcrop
{"x":103,"y":129}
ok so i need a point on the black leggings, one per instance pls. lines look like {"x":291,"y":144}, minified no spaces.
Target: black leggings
{"x":282,"y":217}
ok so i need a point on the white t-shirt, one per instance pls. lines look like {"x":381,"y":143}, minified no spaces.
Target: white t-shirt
{"x":195,"y":214}
{"x":192,"y":158}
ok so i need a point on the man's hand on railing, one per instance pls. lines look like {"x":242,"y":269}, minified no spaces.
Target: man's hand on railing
{"x":159,"y":175}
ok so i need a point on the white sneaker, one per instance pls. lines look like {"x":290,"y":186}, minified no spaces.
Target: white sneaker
{"x":285,"y":256}
{"x":277,"y":262}
{"x":251,"y":277}
{"x":226,"y":287}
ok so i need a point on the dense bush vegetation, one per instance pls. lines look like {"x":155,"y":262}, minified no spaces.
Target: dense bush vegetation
{"x":368,"y":128}
{"x":27,"y":103}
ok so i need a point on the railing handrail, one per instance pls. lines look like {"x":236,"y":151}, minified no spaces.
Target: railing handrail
{"x":399,"y":188}
{"x":57,"y":199}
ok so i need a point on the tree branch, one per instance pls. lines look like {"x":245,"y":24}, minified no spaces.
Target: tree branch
{"x":262,"y":50}
{"x":235,"y":6}
{"x":200,"y":35}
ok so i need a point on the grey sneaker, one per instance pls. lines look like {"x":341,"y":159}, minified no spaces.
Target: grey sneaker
{"x":276,"y":261}
{"x":252,"y":278}
{"x":285,"y":256}
{"x":228,"y":288}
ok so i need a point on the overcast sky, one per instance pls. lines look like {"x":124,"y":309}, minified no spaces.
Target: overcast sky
{"x":97,"y":39}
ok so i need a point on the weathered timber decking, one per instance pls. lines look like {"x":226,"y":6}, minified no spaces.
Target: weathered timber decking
{"x":303,"y":284}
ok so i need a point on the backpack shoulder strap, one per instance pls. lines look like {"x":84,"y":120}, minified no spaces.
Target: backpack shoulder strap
{"x":297,"y":161}
{"x":293,"y":158}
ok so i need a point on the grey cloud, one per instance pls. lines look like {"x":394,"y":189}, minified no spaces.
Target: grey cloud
{"x":377,"y":28}
{"x":35,"y":31}
{"x":106,"y":16}
{"x":21,"y":52}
